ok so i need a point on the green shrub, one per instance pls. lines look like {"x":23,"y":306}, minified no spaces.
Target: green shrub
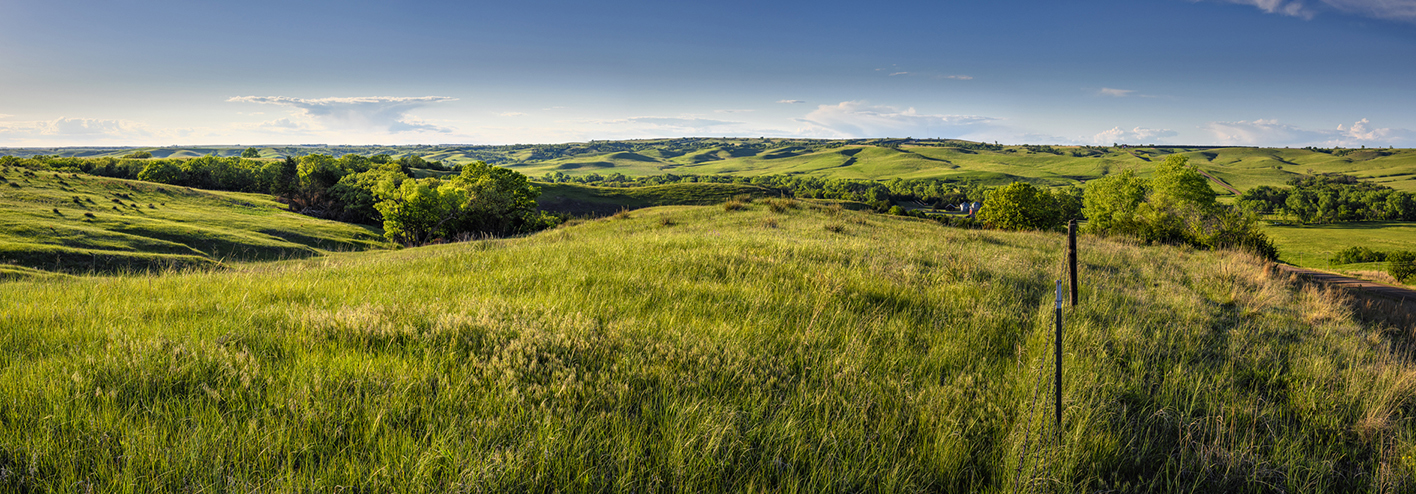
{"x":1357,"y":254}
{"x":1402,"y":266}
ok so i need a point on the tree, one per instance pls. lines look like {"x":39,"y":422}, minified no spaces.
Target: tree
{"x":1019,"y":206}
{"x":1110,"y":203}
{"x":138,"y":155}
{"x":1402,"y":266}
{"x":1176,"y":181}
{"x":250,"y":153}
{"x":482,"y":199}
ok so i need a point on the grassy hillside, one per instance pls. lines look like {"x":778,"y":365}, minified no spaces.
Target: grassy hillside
{"x":600,"y":201}
{"x":782,"y":347}
{"x":76,"y":223}
{"x":877,"y":159}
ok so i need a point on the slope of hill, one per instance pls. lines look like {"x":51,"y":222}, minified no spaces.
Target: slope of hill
{"x":76,"y":222}
{"x":782,"y":347}
{"x":876,"y":159}
{"x":599,"y":201}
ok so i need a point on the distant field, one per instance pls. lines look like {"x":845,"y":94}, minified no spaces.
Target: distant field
{"x":1311,"y":246}
{"x":77,"y":222}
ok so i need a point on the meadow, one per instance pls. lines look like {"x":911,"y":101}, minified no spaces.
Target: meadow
{"x":773,"y":345}
{"x":70,"y":222}
{"x":1312,"y":246}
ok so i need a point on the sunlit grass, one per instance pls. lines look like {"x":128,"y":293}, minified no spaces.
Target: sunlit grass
{"x":777,"y":346}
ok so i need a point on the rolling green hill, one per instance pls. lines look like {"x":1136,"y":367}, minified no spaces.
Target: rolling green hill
{"x":781,"y":347}
{"x":875,"y":159}
{"x":75,"y":223}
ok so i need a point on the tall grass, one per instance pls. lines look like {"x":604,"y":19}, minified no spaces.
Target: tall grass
{"x":838,"y":351}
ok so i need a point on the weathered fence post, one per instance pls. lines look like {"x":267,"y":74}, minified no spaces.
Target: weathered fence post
{"x":1058,"y":375}
{"x":1072,"y":258}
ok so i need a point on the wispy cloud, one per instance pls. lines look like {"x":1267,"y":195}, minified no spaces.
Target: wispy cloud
{"x":1137,"y":135}
{"x":672,"y":122}
{"x":5,"y":115}
{"x":790,"y":101}
{"x":510,"y":114}
{"x":733,"y":111}
{"x":375,"y":113}
{"x":1294,"y":8}
{"x":858,"y":119}
{"x":1392,"y":10}
{"x":75,"y":127}
{"x":1118,"y":93}
{"x":899,"y":73}
{"x":1395,"y":10}
{"x":955,"y":77}
{"x":1269,"y":132}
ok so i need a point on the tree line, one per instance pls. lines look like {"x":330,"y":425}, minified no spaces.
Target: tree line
{"x":1331,"y":198}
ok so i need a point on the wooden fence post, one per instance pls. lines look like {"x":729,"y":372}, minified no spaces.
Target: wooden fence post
{"x":1072,"y":258}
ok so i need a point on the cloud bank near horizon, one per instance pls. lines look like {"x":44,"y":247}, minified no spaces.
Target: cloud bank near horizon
{"x":368,"y":113}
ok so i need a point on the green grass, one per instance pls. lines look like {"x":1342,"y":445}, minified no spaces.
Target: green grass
{"x":1312,"y":245}
{"x":76,"y":222}
{"x":782,"y":347}
{"x":600,"y":201}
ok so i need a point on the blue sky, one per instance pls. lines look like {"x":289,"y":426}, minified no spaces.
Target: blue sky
{"x":1235,"y":72}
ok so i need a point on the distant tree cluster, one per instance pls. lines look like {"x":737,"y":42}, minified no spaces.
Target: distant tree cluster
{"x":1331,"y":198}
{"x":881,"y":195}
{"x":1176,"y":206}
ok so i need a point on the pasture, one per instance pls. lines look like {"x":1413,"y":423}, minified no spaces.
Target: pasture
{"x":775,"y":346}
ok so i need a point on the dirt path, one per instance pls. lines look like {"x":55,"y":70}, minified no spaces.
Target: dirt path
{"x":1404,"y":295}
{"x":1220,"y":182}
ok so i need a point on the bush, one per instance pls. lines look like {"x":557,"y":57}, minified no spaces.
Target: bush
{"x":1402,"y":266}
{"x":1357,"y":254}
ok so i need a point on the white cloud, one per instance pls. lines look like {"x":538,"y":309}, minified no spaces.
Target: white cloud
{"x":857,"y":119}
{"x":1294,"y":8}
{"x":1119,"y":93}
{"x":733,"y":111}
{"x":377,"y":113}
{"x":5,"y":115}
{"x":899,"y":73}
{"x":1271,"y":133}
{"x":790,"y":101}
{"x":956,"y":77}
{"x":510,"y":114}
{"x":1138,"y":135}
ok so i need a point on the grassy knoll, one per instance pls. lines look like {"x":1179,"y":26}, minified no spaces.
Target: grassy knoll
{"x":781,"y":347}
{"x":1312,"y":245}
{"x":76,"y":222}
{"x":601,"y":201}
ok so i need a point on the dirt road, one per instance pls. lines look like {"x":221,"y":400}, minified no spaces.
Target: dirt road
{"x":1404,"y":295}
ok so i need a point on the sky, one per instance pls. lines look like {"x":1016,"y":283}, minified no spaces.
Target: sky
{"x":1204,"y":72}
